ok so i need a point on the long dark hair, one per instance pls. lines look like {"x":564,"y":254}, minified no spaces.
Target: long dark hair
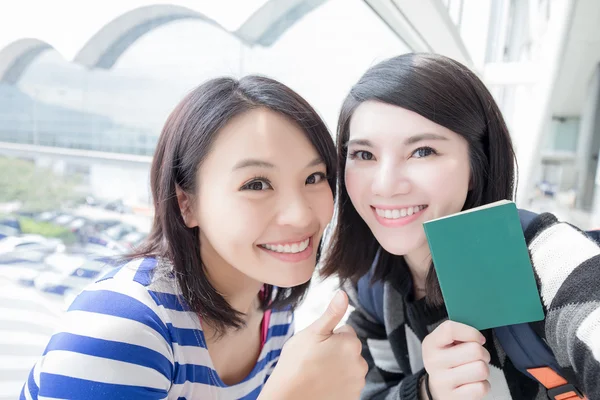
{"x":184,"y":143}
{"x":449,"y":94}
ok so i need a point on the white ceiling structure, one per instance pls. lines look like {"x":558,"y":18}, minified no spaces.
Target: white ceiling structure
{"x":96,"y":34}
{"x":581,"y":56}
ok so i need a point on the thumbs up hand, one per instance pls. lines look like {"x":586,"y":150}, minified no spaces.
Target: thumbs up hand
{"x":320,"y":362}
{"x":324,"y":326}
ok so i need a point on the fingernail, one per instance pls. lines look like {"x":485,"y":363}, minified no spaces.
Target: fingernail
{"x":482,"y":340}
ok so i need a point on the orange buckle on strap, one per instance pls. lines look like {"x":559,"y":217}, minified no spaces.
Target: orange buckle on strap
{"x":558,"y":387}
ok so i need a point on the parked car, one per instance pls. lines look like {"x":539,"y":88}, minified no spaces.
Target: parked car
{"x":63,"y":219}
{"x":22,"y":271}
{"x":11,"y":222}
{"x":117,"y":232}
{"x":133,"y":239}
{"x":78,"y":223}
{"x":104,"y":246}
{"x":104,"y":224}
{"x":118,"y":206}
{"x":24,"y":248}
{"x":70,"y":273}
{"x":46,"y":216}
{"x":6,"y":231}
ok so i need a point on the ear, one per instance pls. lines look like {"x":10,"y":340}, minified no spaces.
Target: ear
{"x":186,"y":208}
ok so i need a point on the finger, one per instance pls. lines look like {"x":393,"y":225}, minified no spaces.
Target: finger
{"x":345,"y":329}
{"x":450,"y":332}
{"x":346,"y":343}
{"x":473,"y":372}
{"x":460,"y":354}
{"x":473,"y":391}
{"x":332,"y":316}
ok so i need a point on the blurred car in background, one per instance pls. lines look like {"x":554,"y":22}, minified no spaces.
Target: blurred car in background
{"x":70,"y":272}
{"x":33,"y":248}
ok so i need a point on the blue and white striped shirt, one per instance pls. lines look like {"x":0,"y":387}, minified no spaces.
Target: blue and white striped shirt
{"x":129,"y":336}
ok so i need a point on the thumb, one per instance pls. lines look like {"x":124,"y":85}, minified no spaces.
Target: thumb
{"x":332,"y":316}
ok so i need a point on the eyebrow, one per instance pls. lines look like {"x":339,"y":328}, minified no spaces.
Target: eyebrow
{"x":411,"y":140}
{"x":424,"y":136}
{"x":359,"y":142}
{"x":253,"y":162}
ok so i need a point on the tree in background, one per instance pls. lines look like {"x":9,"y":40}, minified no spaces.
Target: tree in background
{"x":36,"y":188}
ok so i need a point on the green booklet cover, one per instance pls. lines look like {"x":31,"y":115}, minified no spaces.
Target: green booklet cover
{"x":483,"y":266}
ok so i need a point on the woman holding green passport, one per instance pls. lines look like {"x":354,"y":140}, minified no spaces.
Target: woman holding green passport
{"x":420,"y":137}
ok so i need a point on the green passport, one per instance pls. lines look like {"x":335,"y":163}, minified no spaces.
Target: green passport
{"x":483,"y":266}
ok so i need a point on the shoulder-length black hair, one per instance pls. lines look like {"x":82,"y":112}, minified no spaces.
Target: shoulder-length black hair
{"x":449,"y":94}
{"x":184,"y":143}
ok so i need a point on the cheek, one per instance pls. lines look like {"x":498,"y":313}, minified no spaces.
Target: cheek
{"x":355,"y":181}
{"x":451,"y":186}
{"x":322,"y":205}
{"x":230,"y":221}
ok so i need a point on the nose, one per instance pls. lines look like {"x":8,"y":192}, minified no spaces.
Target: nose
{"x":390,"y":180}
{"x":296,"y":210}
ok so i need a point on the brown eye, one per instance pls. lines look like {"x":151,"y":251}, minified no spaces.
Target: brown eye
{"x":257,"y":185}
{"x":362,"y":155}
{"x":315,"y":178}
{"x":423,"y":152}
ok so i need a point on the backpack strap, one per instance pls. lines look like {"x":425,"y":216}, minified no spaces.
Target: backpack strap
{"x":526,"y":217}
{"x":530,"y":354}
{"x":370,"y":294}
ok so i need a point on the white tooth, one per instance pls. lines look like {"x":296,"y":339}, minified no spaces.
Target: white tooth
{"x":287,"y":248}
{"x":280,"y":248}
{"x":295,"y":248}
{"x":409,"y":211}
{"x":304,"y":245}
{"x":403,"y":212}
{"x":388,"y":213}
{"x":380,"y":212}
{"x":396,"y":214}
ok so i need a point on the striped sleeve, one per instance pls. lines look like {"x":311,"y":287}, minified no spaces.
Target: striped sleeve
{"x":567,"y":266}
{"x":113,"y":345}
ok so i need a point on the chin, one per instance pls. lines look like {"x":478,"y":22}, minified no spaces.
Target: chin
{"x":290,"y":278}
{"x":398,"y":246}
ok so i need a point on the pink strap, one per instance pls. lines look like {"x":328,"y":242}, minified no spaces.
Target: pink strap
{"x":265,"y":327}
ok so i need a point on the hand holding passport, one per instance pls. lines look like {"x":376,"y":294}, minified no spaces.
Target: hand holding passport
{"x":483,"y":267}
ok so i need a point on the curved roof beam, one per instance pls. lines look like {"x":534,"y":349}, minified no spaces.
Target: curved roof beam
{"x":275,"y":17}
{"x":105,"y":47}
{"x":17,"y":56}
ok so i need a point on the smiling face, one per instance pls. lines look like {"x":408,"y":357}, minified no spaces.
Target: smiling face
{"x":262,"y":202}
{"x":402,"y":170}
